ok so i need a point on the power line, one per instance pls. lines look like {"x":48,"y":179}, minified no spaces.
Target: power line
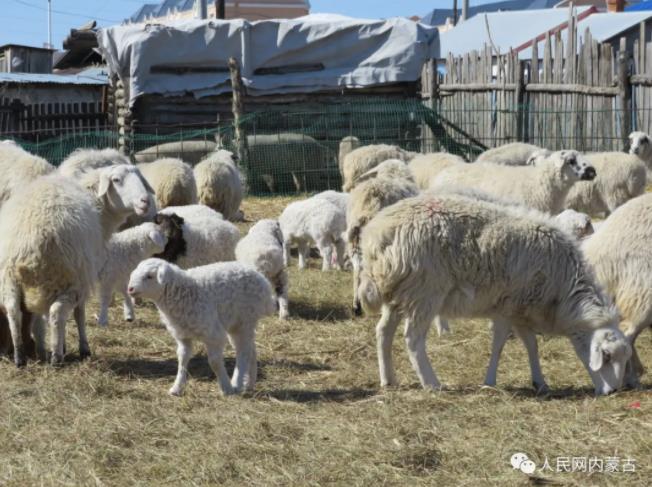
{"x":62,"y":12}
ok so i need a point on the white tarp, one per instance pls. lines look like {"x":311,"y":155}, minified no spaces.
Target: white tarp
{"x":311,"y":53}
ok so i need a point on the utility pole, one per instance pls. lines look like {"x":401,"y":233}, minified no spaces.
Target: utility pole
{"x":50,"y":24}
{"x":454,"y":13}
{"x":200,"y":9}
{"x":465,"y":9}
{"x":220,"y":9}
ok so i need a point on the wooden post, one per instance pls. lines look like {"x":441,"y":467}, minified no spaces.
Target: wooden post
{"x":237,"y":108}
{"x":624,"y":95}
{"x":519,"y":98}
{"x":220,"y":11}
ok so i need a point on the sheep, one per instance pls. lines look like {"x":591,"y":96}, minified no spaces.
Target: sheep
{"x":576,"y":224}
{"x":367,"y":199}
{"x":124,"y":251}
{"x":52,"y":238}
{"x":457,"y":256}
{"x":205,"y":237}
{"x":543,"y":186}
{"x":313,"y":220}
{"x":389,"y":169}
{"x":341,"y":200}
{"x":219,"y":184}
{"x":620,"y":177}
{"x":512,"y":154}
{"x":362,"y":159}
{"x":173,"y":182}
{"x":209,"y":303}
{"x":425,"y":167}
{"x":18,"y":168}
{"x":620,"y":255}
{"x":641,"y":146}
{"x":262,"y":248}
{"x":347,"y":144}
{"x":83,"y":161}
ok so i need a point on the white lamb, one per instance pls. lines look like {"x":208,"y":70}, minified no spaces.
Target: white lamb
{"x":173,"y":182}
{"x":341,"y":200}
{"x":262,"y":248}
{"x":512,"y":154}
{"x":456,"y":256}
{"x":543,"y":186}
{"x":18,"y":168}
{"x":425,"y":167}
{"x":347,"y":144}
{"x":360,"y":160}
{"x":209,"y":303}
{"x":620,"y":177}
{"x":219,"y":184}
{"x":317,"y":221}
{"x":641,"y":146}
{"x":206,"y":236}
{"x":82,"y":161}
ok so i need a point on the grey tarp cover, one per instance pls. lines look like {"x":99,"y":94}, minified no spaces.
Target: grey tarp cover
{"x":324,"y":52}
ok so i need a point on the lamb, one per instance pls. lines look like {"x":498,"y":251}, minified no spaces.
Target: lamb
{"x":205,"y":237}
{"x":367,"y":199}
{"x":262,"y":248}
{"x":620,"y":178}
{"x":219,"y":184}
{"x":543,"y":186}
{"x":18,"y":168}
{"x":124,"y":251}
{"x":347,"y":144}
{"x":173,"y":182}
{"x":360,"y":160}
{"x":620,"y":255}
{"x":456,"y":256}
{"x":209,"y":303}
{"x":640,"y":145}
{"x":314,"y":220}
{"x":52,"y":237}
{"x":512,"y":154}
{"x":83,"y":161}
{"x":341,"y":200}
{"x":425,"y":167}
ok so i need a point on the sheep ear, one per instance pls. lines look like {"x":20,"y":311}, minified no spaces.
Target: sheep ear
{"x":105,"y":184}
{"x":596,"y":360}
{"x":162,"y":274}
{"x":158,"y":238}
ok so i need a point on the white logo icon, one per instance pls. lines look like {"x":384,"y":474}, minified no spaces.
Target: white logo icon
{"x":520,"y":461}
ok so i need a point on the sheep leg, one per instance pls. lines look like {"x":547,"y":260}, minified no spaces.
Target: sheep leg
{"x":304,"y":251}
{"x":501,"y":332}
{"x":80,"y":319}
{"x":215,"y":351}
{"x":38,"y":330}
{"x":282,"y":295}
{"x":59,"y":313}
{"x":286,"y":253}
{"x":106,"y":293}
{"x":184,"y":353}
{"x":415,"y":339}
{"x":442,"y":325}
{"x":634,"y":368}
{"x":529,"y":339}
{"x":357,"y":306}
{"x":340,"y":251}
{"x":253,"y":369}
{"x":127,"y":306}
{"x":15,"y":321}
{"x":385,"y":331}
{"x":326,"y":252}
{"x":242,"y":342}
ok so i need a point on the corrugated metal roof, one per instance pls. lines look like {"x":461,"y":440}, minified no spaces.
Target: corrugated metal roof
{"x":508,"y":30}
{"x":84,"y":78}
{"x":603,"y":27}
{"x":438,"y":16}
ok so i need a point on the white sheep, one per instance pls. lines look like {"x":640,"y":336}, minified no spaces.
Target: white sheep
{"x":219,"y":184}
{"x":262,"y":248}
{"x":389,"y":169}
{"x":210,"y":303}
{"x":621,"y":257}
{"x":341,"y":200}
{"x":425,"y":167}
{"x":173,"y":182}
{"x":456,"y":256}
{"x":124,"y":251}
{"x":641,"y":146}
{"x":512,"y":154}
{"x":543,"y":186}
{"x":52,"y":239}
{"x":82,"y":161}
{"x":317,"y":221}
{"x":574,"y":223}
{"x":206,"y":237}
{"x":18,"y":168}
{"x":362,"y":159}
{"x":620,"y":177}
{"x":347,"y":144}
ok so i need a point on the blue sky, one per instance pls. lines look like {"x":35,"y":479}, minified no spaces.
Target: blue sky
{"x":25,"y":21}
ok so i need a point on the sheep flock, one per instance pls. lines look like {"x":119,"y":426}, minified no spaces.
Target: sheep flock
{"x":428,"y":238}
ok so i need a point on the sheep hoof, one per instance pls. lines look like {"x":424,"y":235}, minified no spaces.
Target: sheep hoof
{"x":84,"y":354}
{"x":56,"y":360}
{"x":541,"y":389}
{"x":357,"y":309}
{"x":19,"y":356}
{"x":283,"y":315}
{"x":129,"y":319}
{"x":174,"y":391}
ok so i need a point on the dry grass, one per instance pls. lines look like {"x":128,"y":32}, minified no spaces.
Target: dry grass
{"x":318,"y":416}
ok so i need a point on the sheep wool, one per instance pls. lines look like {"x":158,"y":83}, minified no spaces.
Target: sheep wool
{"x":173,"y":182}
{"x":362,"y":159}
{"x":512,"y":154}
{"x":18,"y":168}
{"x":425,"y":167}
{"x":219,"y":184}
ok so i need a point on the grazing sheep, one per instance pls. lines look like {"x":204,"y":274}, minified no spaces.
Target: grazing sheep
{"x":314,"y":220}
{"x":124,"y":251}
{"x":574,"y":223}
{"x":425,"y":167}
{"x":641,"y":146}
{"x":173,"y":182}
{"x":82,"y":161}
{"x":362,"y":159}
{"x":219,"y":184}
{"x":52,"y":239}
{"x":620,"y":177}
{"x":18,"y":168}
{"x":621,"y":257}
{"x":456,"y":256}
{"x":389,"y":169}
{"x":347,"y":144}
{"x":543,"y":186}
{"x":512,"y":154}
{"x":205,"y":237}
{"x":262,"y":248}
{"x":209,"y":303}
{"x":367,"y":199}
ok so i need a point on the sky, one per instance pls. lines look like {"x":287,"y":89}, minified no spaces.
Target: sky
{"x":25,"y":21}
